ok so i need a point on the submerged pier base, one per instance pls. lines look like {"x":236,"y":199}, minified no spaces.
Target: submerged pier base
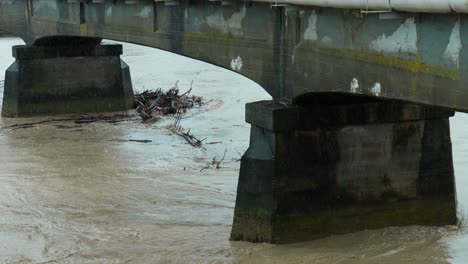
{"x":332,"y":168}
{"x":47,"y":80}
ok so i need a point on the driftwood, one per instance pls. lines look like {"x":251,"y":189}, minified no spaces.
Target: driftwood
{"x":135,"y":140}
{"x":215,"y":163}
{"x":177,"y":129}
{"x":213,"y":143}
{"x":152,"y":105}
{"x":193,"y":141}
{"x":76,"y":119}
{"x":218,"y":163}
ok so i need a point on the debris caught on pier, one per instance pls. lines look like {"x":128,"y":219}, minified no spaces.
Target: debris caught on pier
{"x":149,"y":105}
{"x":152,"y":105}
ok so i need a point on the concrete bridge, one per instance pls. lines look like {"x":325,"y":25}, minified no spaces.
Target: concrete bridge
{"x":357,"y":135}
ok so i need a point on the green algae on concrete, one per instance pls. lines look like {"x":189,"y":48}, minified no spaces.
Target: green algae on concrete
{"x":254,"y":227}
{"x":344,"y":164}
{"x":288,"y":51}
{"x":322,"y":223}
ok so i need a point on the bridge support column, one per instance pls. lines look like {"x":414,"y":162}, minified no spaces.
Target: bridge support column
{"x":66,"y":79}
{"x":315,"y":171}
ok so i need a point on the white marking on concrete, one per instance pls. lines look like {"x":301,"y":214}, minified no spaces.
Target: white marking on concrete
{"x":145,"y":12}
{"x":311,"y":31}
{"x":354,"y":87}
{"x":109,"y":11}
{"x":293,"y":57}
{"x":236,"y":64}
{"x":327,"y":40}
{"x":216,"y":20}
{"x":376,"y":89}
{"x":232,"y":25}
{"x":404,"y":39}
{"x":235,"y":22}
{"x":452,"y":52}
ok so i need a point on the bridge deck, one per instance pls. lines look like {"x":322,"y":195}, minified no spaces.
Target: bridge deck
{"x":290,"y":51}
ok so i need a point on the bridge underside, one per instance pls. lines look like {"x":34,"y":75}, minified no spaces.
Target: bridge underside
{"x":357,"y":135}
{"x":290,"y":51}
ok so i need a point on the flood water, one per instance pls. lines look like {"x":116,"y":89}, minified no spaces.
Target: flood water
{"x":88,"y":194}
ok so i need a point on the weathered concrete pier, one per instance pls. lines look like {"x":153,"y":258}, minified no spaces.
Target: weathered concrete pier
{"x":335,"y":165}
{"x":357,"y":134}
{"x":67,"y":79}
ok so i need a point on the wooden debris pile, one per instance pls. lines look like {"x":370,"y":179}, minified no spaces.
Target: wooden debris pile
{"x":151,"y":105}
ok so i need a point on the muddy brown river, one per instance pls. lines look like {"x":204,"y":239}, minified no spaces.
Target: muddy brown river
{"x":89,"y":194}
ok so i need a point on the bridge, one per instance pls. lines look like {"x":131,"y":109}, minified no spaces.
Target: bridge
{"x":357,"y":134}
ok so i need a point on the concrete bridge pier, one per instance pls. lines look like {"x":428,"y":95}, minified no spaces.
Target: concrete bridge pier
{"x":60,"y":76}
{"x":334,"y":164}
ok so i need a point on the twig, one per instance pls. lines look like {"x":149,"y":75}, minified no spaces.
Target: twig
{"x":219,"y":162}
{"x":215,"y":162}
{"x":193,"y":141}
{"x":135,"y":140}
{"x":188,"y":92}
{"x":206,"y":167}
{"x":212,"y":143}
{"x":240,"y":156}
